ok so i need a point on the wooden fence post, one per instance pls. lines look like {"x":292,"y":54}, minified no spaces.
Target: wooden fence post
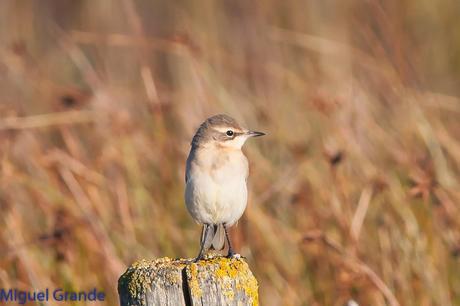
{"x":215,"y":280}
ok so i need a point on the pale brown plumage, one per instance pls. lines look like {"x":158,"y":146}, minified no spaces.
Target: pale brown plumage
{"x":216,"y":173}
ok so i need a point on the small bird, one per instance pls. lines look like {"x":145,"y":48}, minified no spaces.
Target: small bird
{"x":216,"y":176}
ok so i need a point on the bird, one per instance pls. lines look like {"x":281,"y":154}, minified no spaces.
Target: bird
{"x":216,"y":177}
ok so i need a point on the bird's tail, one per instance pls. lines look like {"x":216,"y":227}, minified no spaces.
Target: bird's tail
{"x":218,"y":242}
{"x":215,"y":237}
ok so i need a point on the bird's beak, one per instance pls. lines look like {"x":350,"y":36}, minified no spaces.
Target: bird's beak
{"x":254,"y":134}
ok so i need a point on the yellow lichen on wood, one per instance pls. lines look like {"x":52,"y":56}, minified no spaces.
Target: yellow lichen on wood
{"x":193,"y":284}
{"x":231,"y":275}
{"x":140,"y":275}
{"x":172,"y":282}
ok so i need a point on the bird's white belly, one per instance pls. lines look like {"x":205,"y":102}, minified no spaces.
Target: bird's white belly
{"x":215,"y":199}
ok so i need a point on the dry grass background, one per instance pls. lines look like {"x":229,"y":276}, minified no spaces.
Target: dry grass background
{"x":354,"y":194}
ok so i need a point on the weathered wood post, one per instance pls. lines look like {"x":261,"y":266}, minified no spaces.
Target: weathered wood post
{"x":215,"y":280}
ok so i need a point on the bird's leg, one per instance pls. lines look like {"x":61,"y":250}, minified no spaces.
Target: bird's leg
{"x":230,"y":249}
{"x":204,"y":233}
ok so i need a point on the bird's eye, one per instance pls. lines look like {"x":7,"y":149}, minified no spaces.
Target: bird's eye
{"x":229,"y":133}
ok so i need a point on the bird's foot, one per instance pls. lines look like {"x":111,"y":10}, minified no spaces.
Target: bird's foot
{"x":186,"y":261}
{"x":232,"y":254}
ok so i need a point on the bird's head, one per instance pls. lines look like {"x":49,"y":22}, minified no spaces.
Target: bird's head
{"x":222,"y":131}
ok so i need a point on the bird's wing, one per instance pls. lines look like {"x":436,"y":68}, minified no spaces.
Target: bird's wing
{"x":188,"y":165}
{"x":187,"y":170}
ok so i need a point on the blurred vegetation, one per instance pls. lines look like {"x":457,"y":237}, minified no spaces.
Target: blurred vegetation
{"x":354,"y":195}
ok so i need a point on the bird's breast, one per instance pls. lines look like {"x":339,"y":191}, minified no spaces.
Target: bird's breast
{"x":217,"y":186}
